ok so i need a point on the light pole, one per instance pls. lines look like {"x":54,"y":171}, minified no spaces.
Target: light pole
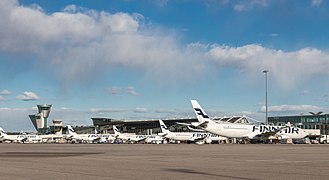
{"x":266,"y":107}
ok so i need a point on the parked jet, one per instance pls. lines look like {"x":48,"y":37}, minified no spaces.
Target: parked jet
{"x":128,"y":137}
{"x":248,"y":131}
{"x":106,"y":138}
{"x":197,"y":137}
{"x":154,"y":139}
{"x":57,"y":137}
{"x":84,"y":138}
{"x":21,"y":138}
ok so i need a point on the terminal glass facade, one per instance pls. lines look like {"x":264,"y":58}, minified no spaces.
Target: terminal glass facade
{"x":318,"y":121}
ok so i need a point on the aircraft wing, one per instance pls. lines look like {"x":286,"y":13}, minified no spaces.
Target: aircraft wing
{"x":196,"y":124}
{"x":199,"y":130}
{"x":162,"y":134}
{"x":185,"y":124}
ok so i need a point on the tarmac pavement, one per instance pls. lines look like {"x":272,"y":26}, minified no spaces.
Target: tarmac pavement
{"x":165,"y":161}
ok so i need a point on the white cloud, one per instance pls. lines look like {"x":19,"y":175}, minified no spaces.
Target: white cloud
{"x":118,"y":90}
{"x":295,"y":109}
{"x":131,"y":90}
{"x":246,"y":5}
{"x":105,"y":111}
{"x":78,"y":44}
{"x":2,"y":98}
{"x":141,"y":110}
{"x":286,"y":68}
{"x":160,"y":3}
{"x":316,"y":2}
{"x":5,"y":92}
{"x":274,"y":35}
{"x":28,"y":96}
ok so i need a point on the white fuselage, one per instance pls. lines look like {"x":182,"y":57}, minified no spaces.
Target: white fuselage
{"x":21,"y":138}
{"x":154,"y":139}
{"x":131,"y":137}
{"x":193,"y":136}
{"x":253,"y":131}
{"x":85,"y":137}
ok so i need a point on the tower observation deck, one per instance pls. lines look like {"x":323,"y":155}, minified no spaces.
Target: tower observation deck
{"x":40,"y":120}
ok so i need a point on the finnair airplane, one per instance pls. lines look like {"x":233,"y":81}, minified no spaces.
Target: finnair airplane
{"x":247,"y":131}
{"x":154,"y":139}
{"x":57,"y":137}
{"x":21,"y":138}
{"x":197,"y":137}
{"x":85,"y":138}
{"x":128,"y":137}
{"x":106,"y":138}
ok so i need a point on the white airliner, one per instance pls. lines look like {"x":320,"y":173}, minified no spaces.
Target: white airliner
{"x":84,"y":138}
{"x":197,"y":137}
{"x":128,"y":137}
{"x":21,"y":138}
{"x":57,"y":137}
{"x":247,"y":131}
{"x":154,"y":139}
{"x":106,"y":138}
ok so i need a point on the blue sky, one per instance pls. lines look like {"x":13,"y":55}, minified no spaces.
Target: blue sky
{"x":147,"y":59}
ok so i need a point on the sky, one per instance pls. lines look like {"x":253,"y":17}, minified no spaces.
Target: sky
{"x":142,"y":60}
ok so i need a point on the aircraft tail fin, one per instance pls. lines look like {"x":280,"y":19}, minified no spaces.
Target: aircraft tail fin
{"x":2,"y":132}
{"x":199,"y":112}
{"x":116,"y":130}
{"x":70,"y":130}
{"x":163,"y":127}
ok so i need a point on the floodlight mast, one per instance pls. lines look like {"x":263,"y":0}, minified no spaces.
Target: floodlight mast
{"x":266,"y":102}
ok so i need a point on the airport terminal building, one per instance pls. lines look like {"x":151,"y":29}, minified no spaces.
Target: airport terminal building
{"x":152,"y":126}
{"x":315,"y":123}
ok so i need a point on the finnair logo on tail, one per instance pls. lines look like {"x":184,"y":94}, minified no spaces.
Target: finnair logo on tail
{"x":199,"y":112}
{"x":164,"y":127}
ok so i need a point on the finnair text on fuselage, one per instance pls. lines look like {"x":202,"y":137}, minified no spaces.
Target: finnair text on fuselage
{"x":264,"y":129}
{"x":204,"y":135}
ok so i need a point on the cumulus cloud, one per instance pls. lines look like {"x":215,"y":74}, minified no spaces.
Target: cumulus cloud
{"x":286,"y":68}
{"x":5,"y":92}
{"x":78,"y":44}
{"x":28,"y":96}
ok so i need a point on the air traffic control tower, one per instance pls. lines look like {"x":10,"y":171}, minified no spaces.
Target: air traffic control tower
{"x":40,"y":119}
